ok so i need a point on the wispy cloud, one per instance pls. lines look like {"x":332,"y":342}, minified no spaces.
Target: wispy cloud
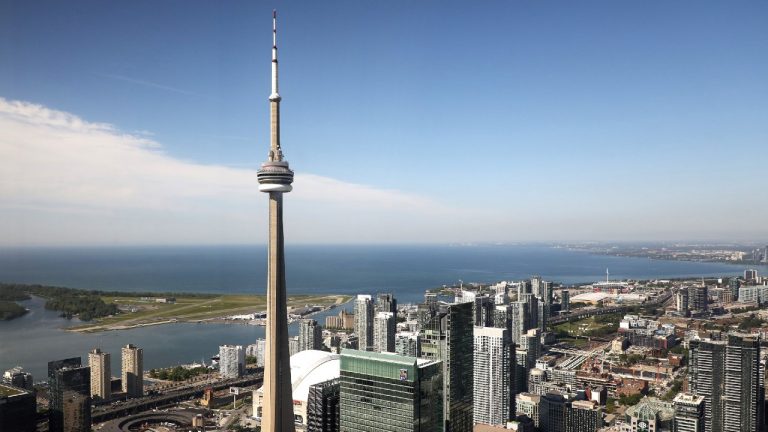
{"x":67,"y":180}
{"x":148,"y":84}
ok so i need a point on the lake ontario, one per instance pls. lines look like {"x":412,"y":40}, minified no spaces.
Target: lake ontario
{"x":407,"y":271}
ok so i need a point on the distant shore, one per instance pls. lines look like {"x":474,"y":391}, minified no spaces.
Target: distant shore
{"x":147,"y":311}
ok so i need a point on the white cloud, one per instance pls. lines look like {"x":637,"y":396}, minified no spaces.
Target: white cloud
{"x":66,"y":180}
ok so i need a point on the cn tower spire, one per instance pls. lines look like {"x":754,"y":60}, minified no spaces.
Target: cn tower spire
{"x":275,"y":151}
{"x":275,"y":178}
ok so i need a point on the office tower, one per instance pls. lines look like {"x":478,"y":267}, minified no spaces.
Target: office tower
{"x":528,"y":404}
{"x":743,"y":395}
{"x":18,"y":409}
{"x":101,"y":374}
{"x":446,"y":335}
{"x":565,"y":300}
{"x":681,"y":301}
{"x":387,"y":392}
{"x":583,"y":416}
{"x":552,"y":412}
{"x":727,"y":375}
{"x":482,"y":310}
{"x":689,"y":413}
{"x":323,"y":406}
{"x":408,"y":344}
{"x":750,"y":275}
{"x":133,"y":371}
{"x":364,"y":322}
{"x":69,"y":396}
{"x":275,"y":177}
{"x":734,"y":285}
{"x":231,"y":361}
{"x":386,"y":302}
{"x":18,"y":378}
{"x":698,"y":297}
{"x":543,"y":315}
{"x":493,"y":376}
{"x":310,"y":335}
{"x":384,"y":332}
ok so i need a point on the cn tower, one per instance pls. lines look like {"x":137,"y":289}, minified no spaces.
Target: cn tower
{"x":275,"y":178}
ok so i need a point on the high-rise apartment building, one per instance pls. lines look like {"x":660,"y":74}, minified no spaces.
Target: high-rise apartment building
{"x":681,"y":301}
{"x":727,"y":375}
{"x":583,"y":416}
{"x":364,"y":322}
{"x":494,"y":385}
{"x":231,"y":361}
{"x":69,"y":396}
{"x":133,"y":371}
{"x":750,"y":275}
{"x":310,"y":335}
{"x":689,"y":413}
{"x":386,"y":302}
{"x":528,"y":404}
{"x":698,"y":297}
{"x":384,"y":329}
{"x":743,"y":396}
{"x":390,"y":393}
{"x":446,"y":336}
{"x":408,"y":344}
{"x":101,"y":374}
{"x":565,"y":300}
{"x":525,"y":358}
{"x":483,"y":310}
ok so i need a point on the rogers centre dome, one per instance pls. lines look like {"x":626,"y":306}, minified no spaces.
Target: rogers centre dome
{"x":308,"y":368}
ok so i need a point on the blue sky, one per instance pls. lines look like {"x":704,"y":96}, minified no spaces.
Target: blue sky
{"x":508,"y":121}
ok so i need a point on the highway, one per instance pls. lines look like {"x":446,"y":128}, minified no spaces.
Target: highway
{"x":134,"y":406}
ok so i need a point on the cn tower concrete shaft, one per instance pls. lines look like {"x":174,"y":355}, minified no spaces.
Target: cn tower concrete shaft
{"x":277,"y":414}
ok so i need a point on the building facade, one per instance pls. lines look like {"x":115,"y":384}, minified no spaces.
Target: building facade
{"x":323,"y":407}
{"x":689,"y":413}
{"x":390,"y":393}
{"x":133,"y":371}
{"x":310,"y":335}
{"x":493,"y":376}
{"x":231,"y":361}
{"x":101,"y":374}
{"x":69,"y":407}
{"x":364,"y":322}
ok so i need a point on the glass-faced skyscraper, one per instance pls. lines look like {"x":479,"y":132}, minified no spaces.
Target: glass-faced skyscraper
{"x":70,"y":396}
{"x":275,"y":178}
{"x":390,"y":393}
{"x":446,"y":335}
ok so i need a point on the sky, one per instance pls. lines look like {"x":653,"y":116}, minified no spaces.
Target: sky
{"x":144,"y":122}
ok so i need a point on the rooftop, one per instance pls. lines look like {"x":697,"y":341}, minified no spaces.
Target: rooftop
{"x":6,"y":390}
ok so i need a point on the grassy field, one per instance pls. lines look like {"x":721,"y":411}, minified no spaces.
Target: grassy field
{"x":137,"y":311}
{"x":592,"y":326}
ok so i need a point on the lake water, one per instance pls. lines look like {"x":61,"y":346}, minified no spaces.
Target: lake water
{"x":36,"y":338}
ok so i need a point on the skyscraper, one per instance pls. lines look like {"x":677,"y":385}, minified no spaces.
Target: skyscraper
{"x":323,"y":406}
{"x":310,"y":335}
{"x":408,"y":344}
{"x":389,"y":393}
{"x":384,"y":332}
{"x":446,"y":335}
{"x":275,"y":178}
{"x":364,"y":322}
{"x":727,"y":376}
{"x":231,"y":361}
{"x":133,"y":371}
{"x":101,"y":374}
{"x":494,"y":401}
{"x":565,"y":300}
{"x":69,"y":399}
{"x":583,"y":416}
